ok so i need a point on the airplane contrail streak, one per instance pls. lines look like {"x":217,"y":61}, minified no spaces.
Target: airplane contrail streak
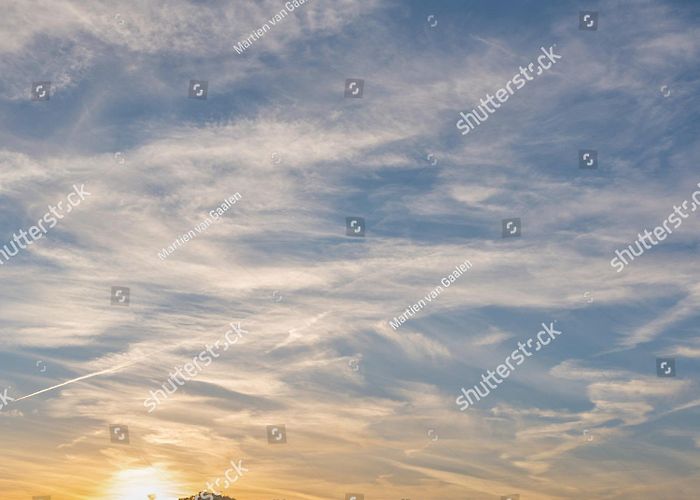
{"x":78,"y":379}
{"x":119,"y":367}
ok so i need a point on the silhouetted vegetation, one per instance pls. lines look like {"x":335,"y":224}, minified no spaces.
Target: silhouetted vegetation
{"x":207,"y":496}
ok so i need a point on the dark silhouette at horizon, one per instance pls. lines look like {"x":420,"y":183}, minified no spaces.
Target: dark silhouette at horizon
{"x":204,"y":495}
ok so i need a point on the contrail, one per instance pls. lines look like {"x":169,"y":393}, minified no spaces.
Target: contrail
{"x":119,"y":367}
{"x":89,"y":375}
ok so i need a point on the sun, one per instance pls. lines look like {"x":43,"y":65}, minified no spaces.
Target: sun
{"x":149,"y":483}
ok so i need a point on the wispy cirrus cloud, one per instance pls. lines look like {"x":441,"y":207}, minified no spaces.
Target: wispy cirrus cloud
{"x":122,"y":86}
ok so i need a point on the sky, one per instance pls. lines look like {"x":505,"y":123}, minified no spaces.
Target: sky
{"x":367,"y":409}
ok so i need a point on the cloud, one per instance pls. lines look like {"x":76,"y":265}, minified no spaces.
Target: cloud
{"x":121,"y":87}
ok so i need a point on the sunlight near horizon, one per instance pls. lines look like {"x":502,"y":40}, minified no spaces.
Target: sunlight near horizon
{"x":149,"y":483}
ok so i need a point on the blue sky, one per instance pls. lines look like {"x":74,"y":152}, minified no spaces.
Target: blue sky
{"x":120,"y":73}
